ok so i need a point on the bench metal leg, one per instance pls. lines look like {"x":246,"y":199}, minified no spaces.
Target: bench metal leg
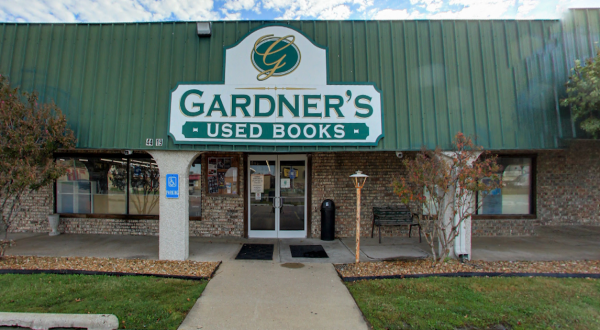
{"x":379,"y":234}
{"x":410,"y":230}
{"x":372,"y":227}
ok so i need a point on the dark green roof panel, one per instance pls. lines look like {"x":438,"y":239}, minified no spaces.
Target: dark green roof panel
{"x":499,"y":80}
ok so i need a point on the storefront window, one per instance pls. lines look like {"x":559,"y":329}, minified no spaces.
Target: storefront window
{"x":92,"y":185}
{"x":143,"y":186}
{"x":222,"y":176}
{"x":515,"y":196}
{"x":99,"y":185}
{"x":195,"y":188}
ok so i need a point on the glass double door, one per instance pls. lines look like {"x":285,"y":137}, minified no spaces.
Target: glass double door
{"x":277,"y":196}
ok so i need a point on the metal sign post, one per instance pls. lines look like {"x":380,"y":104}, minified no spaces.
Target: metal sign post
{"x":359,"y":182}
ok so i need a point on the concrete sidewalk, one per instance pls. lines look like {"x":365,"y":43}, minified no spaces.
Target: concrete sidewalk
{"x":203,"y":249}
{"x":269,"y":295}
{"x":550,"y":243}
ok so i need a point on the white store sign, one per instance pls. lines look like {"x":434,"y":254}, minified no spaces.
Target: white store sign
{"x":276,"y":93}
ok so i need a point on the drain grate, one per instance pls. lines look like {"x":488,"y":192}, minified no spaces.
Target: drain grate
{"x":255,"y":252}
{"x":308,"y":251}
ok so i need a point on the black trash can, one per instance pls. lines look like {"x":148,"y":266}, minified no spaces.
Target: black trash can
{"x":328,"y":220}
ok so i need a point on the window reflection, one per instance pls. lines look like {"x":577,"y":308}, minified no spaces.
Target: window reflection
{"x":514,"y":196}
{"x":195,"y":207}
{"x":92,"y":185}
{"x":222,"y":175}
{"x":98,"y":185}
{"x":143,"y":186}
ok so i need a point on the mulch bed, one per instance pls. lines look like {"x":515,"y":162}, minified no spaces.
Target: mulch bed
{"x":108,"y":266}
{"x":425,"y":268}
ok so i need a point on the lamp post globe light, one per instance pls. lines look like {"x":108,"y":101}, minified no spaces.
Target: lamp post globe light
{"x":359,"y":179}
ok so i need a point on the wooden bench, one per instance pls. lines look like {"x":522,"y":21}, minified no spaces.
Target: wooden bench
{"x":394,"y":216}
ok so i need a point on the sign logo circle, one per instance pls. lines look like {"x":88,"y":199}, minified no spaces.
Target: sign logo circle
{"x":275,"y":56}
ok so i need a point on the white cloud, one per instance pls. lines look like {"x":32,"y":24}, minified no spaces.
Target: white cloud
{"x":187,"y":10}
{"x":526,"y":6}
{"x":237,"y":5}
{"x":299,"y":9}
{"x":390,"y":14}
{"x":231,"y":8}
{"x":337,"y":12}
{"x":429,"y":5}
{"x":235,"y":16}
{"x":192,"y":10}
{"x":106,"y":10}
{"x":476,"y":9}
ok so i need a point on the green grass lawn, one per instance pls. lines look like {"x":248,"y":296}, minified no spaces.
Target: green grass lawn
{"x":479,"y":303}
{"x":139,"y":302}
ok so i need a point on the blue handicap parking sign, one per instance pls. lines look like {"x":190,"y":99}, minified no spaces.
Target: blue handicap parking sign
{"x":172,"y":185}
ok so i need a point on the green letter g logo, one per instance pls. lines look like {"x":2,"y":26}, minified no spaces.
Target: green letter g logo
{"x":184,"y":110}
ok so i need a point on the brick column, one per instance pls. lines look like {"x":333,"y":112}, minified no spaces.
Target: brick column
{"x":173,"y":232}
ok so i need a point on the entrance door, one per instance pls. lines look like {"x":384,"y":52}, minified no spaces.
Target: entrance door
{"x":277,"y":196}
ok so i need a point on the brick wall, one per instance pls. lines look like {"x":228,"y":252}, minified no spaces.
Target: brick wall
{"x":330,"y":180}
{"x":35,"y":209}
{"x":221,"y":215}
{"x":568,"y":185}
{"x":143,"y":227}
{"x":503,"y":227}
{"x":568,"y":192}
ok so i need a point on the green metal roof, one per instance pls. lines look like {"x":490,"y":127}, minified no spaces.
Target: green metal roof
{"x":497,"y":79}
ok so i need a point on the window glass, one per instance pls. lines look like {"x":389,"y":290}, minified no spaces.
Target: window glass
{"x":514,"y":196}
{"x":92,"y":185}
{"x":143,"y":186}
{"x":222,"y":176}
{"x":195,"y":191}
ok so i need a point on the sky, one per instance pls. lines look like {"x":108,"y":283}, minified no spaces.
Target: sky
{"x":199,"y":10}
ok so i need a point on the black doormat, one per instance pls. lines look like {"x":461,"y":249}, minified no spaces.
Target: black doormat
{"x":256,"y":252}
{"x":308,"y":251}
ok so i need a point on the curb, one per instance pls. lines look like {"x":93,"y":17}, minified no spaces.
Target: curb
{"x":87,"y":272}
{"x":215,"y":270}
{"x":469,"y":274}
{"x":45,"y":321}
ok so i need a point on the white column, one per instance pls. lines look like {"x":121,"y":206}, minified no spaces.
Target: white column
{"x":462,"y":243}
{"x":174,"y":229}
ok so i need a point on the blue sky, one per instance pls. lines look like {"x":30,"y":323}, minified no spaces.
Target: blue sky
{"x":196,"y":10}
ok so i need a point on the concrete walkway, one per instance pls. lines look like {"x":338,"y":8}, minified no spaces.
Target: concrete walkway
{"x":270,"y":295}
{"x":550,"y":243}
{"x":205,"y":249}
